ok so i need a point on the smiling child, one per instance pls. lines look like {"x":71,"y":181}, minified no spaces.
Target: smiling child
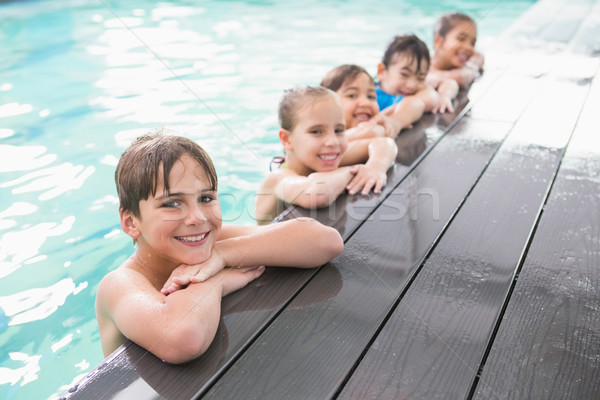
{"x":167,"y":296}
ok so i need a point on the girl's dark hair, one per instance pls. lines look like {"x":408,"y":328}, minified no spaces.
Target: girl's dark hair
{"x":407,"y":44}
{"x":335,"y":78}
{"x":137,"y":172}
{"x":448,"y":21}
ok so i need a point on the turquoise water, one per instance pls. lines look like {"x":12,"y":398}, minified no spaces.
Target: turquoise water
{"x":80,"y":79}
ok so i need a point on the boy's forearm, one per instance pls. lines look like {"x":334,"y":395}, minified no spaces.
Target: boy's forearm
{"x":302,"y":242}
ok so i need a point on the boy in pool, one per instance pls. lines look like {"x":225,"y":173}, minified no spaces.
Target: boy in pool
{"x":454,"y":56}
{"x":167,"y":296}
{"x":319,"y":163}
{"x":358,"y":95}
{"x":402,"y":74}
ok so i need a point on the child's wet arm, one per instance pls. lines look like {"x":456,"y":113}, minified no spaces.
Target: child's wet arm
{"x":301,"y":243}
{"x":176,"y":328}
{"x":319,"y":189}
{"x":382,"y":153}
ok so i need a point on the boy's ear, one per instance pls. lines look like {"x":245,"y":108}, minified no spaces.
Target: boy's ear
{"x":380,"y":71}
{"x":129,"y":224}
{"x":284,"y":138}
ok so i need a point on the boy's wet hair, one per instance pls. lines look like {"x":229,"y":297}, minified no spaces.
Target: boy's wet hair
{"x":407,"y":44}
{"x":137,"y":173}
{"x":448,"y":21}
{"x":335,"y":78}
{"x":295,"y":98}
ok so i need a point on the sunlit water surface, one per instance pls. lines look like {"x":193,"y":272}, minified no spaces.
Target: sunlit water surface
{"x":80,"y":79}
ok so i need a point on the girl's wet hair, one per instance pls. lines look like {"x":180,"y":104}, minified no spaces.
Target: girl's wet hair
{"x":448,"y":21}
{"x":137,"y":173}
{"x":335,"y":78}
{"x":407,"y":44}
{"x":295,"y":98}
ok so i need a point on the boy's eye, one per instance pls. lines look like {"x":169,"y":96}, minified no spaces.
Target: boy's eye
{"x":171,"y":204}
{"x":372,"y":97}
{"x":315,"y":131}
{"x":206,"y":198}
{"x":351,"y":96}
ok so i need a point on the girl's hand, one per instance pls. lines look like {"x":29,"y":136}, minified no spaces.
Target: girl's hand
{"x":185,"y":274}
{"x":366,"y":178}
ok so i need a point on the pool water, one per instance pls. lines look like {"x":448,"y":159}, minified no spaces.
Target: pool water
{"x":80,"y":79}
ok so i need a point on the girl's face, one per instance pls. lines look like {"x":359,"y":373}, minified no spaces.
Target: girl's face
{"x":454,"y":50}
{"x":318,"y":141}
{"x":181,"y":226}
{"x":401,"y":77}
{"x":359,"y":100}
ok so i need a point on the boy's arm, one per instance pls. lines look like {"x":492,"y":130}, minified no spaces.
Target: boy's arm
{"x":300,"y":243}
{"x":176,"y":328}
{"x":428,"y":95}
{"x":402,"y":115}
{"x":380,"y":154}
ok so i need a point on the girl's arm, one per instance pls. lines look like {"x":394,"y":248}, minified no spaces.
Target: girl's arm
{"x":447,"y":90}
{"x":319,"y":189}
{"x":379,"y":154}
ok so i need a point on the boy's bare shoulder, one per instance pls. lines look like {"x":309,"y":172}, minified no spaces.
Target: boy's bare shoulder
{"x":119,"y":283}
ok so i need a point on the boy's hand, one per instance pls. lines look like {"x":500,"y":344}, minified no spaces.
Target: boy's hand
{"x":185,"y":274}
{"x":366,"y":178}
{"x":236,"y":278}
{"x":444,"y":104}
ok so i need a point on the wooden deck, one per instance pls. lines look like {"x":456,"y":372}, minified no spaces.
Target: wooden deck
{"x":474,"y":275}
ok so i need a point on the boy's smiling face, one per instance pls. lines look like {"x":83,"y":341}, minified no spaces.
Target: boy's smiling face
{"x":183,"y":224}
{"x":457,"y":47}
{"x":359,"y":100}
{"x":402,"y":77}
{"x":318,"y":140}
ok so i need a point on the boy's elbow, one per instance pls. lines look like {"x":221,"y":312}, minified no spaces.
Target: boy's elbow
{"x":328,"y":241}
{"x":335,"y":243}
{"x":183,"y":347}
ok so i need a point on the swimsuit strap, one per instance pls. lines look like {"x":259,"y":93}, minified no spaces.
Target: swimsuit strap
{"x":280,"y":161}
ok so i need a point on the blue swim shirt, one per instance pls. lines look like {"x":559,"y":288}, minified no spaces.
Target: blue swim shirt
{"x":385,"y":99}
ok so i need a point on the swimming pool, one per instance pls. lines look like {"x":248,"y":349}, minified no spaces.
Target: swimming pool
{"x":80,"y":79}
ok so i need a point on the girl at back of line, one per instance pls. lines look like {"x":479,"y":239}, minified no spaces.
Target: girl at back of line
{"x":319,"y":164}
{"x":454,"y":38}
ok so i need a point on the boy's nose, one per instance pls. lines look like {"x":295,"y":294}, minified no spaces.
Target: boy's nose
{"x":196,"y":214}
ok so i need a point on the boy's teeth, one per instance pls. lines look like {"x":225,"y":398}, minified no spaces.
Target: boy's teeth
{"x":328,"y":158}
{"x":191,"y":238}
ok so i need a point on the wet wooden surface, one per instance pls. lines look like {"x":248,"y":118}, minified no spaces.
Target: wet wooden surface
{"x":474,"y":274}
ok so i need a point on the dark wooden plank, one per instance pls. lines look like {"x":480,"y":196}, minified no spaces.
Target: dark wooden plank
{"x":433,"y":343}
{"x":247,"y":312}
{"x":548,"y":344}
{"x":307,"y":351}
